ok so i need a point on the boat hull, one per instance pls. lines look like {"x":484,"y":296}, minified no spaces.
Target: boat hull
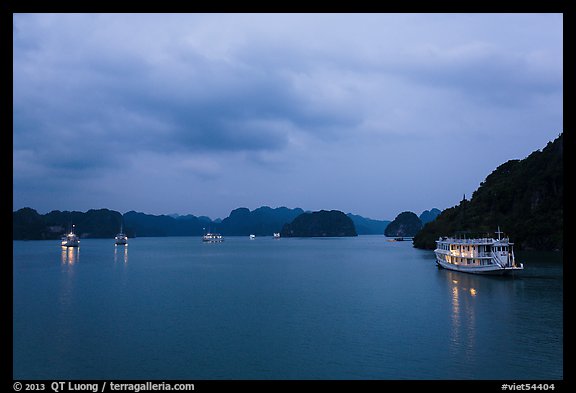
{"x":70,"y":244}
{"x":121,"y":239}
{"x":494,"y":270}
{"x":212,"y":238}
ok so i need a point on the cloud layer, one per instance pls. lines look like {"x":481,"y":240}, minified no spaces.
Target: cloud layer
{"x":211,"y":112}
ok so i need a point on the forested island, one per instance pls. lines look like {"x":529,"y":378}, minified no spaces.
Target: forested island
{"x":522,"y":197}
{"x":323,"y":223}
{"x":406,"y":224}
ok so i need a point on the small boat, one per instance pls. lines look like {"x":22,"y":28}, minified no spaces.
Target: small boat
{"x":121,"y":239}
{"x":70,"y":239}
{"x":478,"y":255}
{"x":252,"y":237}
{"x":400,"y":239}
{"x":212,"y":238}
{"x":276,"y":235}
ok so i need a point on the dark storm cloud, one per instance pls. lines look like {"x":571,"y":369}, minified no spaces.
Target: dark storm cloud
{"x":95,"y":96}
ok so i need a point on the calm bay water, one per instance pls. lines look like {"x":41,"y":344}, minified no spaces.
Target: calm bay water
{"x":339,"y":308}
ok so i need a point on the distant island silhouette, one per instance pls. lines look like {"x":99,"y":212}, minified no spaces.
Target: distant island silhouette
{"x":28,"y":224}
{"x":323,"y":223}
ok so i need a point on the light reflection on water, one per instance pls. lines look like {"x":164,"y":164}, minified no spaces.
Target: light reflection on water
{"x":70,"y":255}
{"x":496,"y":322}
{"x":463,"y":317}
{"x":121,"y":252}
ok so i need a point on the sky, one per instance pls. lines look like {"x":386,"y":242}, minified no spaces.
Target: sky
{"x":371,"y":114}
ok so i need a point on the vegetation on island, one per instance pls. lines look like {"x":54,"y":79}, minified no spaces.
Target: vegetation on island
{"x":429,"y":215}
{"x":323,"y":223}
{"x":98,"y":223}
{"x":522,"y":197}
{"x":406,"y":224}
{"x":263,"y":221}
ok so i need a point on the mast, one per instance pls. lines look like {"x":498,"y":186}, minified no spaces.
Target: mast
{"x":499,"y":232}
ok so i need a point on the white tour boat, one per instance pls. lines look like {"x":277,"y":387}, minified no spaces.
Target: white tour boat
{"x":252,"y":237}
{"x":70,"y":239}
{"x":478,"y":255}
{"x":276,"y":235}
{"x":212,"y":238}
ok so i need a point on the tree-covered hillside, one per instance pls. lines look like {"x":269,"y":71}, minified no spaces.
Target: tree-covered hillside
{"x":97,"y":223}
{"x":323,"y":223}
{"x":523,"y":197}
{"x":406,"y":224}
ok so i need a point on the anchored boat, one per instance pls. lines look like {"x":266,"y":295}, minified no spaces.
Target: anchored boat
{"x":477,"y":255}
{"x":212,"y":238}
{"x":121,"y":239}
{"x":71,"y":239}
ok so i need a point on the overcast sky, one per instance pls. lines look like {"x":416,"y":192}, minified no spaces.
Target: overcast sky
{"x":372,"y":114}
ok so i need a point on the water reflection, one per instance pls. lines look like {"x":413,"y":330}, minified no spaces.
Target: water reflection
{"x":70,"y":255}
{"x":464,"y":289}
{"x":120,"y":253}
{"x":69,"y":258}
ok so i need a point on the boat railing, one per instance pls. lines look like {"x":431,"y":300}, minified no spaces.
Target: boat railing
{"x":470,"y":254}
{"x":484,"y":255}
{"x":451,"y":240}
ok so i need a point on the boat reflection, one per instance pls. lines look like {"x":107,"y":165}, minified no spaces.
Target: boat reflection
{"x":464,"y":292}
{"x":121,"y":255}
{"x":70,"y":255}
